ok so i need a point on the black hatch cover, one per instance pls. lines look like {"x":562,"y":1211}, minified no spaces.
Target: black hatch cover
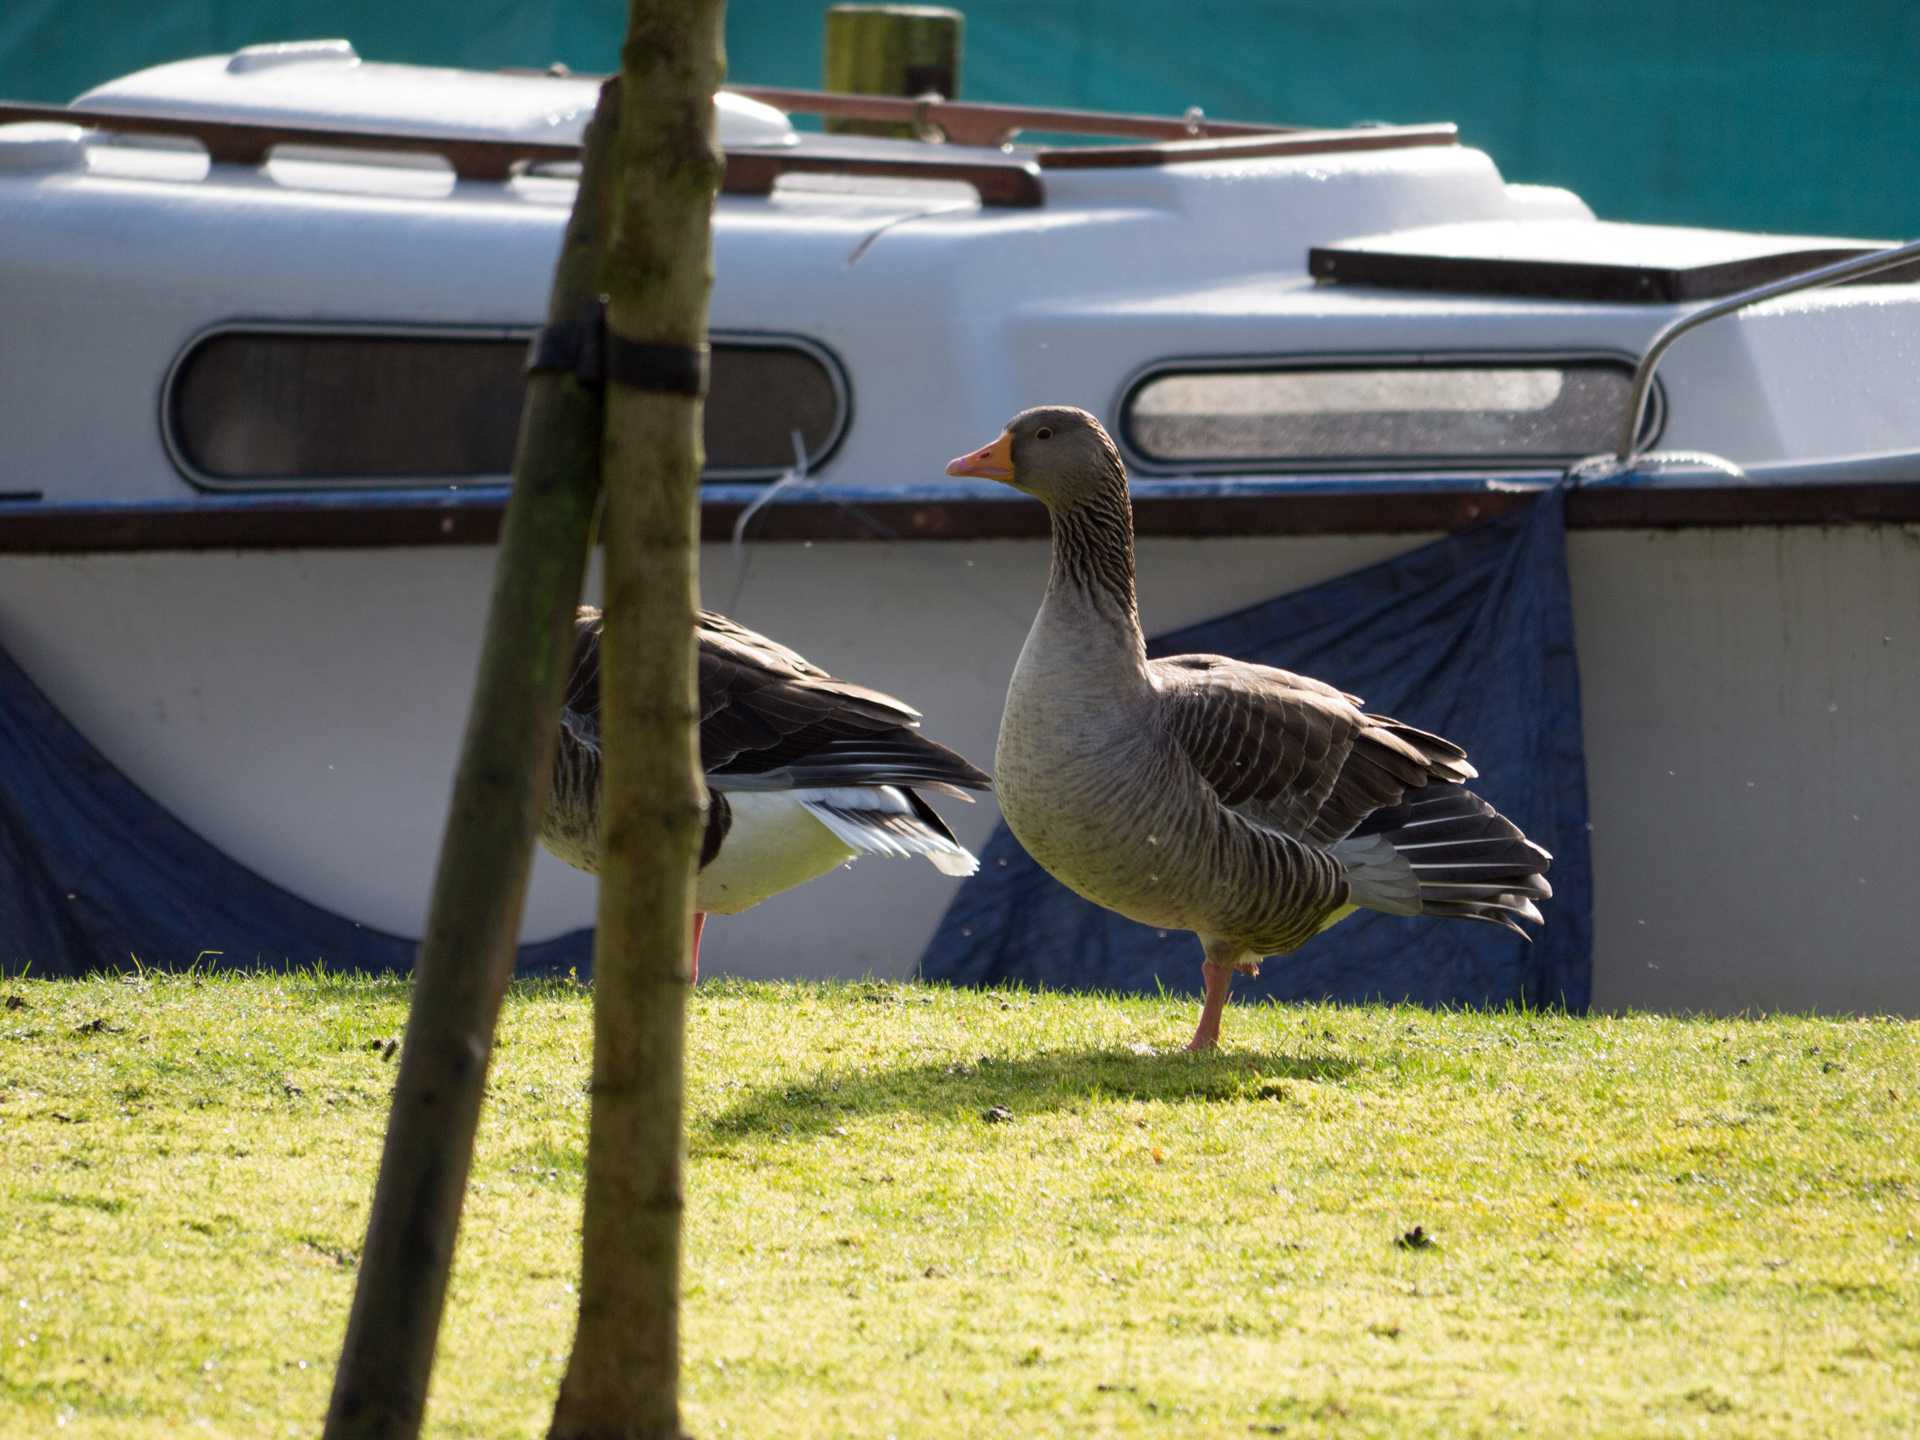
{"x":1583,"y":260}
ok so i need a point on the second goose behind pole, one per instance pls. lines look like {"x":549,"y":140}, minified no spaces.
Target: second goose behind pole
{"x":803,"y":771}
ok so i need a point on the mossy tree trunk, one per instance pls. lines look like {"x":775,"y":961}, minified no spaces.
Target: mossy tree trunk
{"x":622,"y":1379}
{"x":473,"y":924}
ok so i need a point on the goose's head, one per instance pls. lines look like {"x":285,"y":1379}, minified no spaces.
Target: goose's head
{"x":1053,"y":452}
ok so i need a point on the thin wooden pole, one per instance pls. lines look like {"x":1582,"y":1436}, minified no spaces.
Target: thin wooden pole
{"x":467,"y":956}
{"x":622,"y":1380}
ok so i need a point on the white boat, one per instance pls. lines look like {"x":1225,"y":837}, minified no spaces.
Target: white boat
{"x":261,"y":330}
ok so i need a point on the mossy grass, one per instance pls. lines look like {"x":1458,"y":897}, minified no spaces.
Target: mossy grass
{"x":919,"y":1211}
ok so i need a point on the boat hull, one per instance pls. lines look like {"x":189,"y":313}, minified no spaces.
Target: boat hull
{"x":1745,"y":694}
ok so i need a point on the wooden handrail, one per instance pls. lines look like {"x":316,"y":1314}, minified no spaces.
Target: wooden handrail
{"x":972,"y":123}
{"x":999,"y":180}
{"x":1000,"y":177}
{"x":1247,"y":147}
{"x":249,"y":142}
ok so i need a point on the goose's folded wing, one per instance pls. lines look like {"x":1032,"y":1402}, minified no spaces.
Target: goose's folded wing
{"x":769,"y":719}
{"x":580,"y":704}
{"x":718,"y":632}
{"x":757,"y":719}
{"x":1293,"y":752}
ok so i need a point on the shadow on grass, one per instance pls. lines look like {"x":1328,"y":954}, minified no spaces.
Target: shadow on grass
{"x":1031,"y":1084}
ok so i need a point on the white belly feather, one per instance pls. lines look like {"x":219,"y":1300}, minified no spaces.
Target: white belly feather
{"x":783,"y":838}
{"x":774,"y":844}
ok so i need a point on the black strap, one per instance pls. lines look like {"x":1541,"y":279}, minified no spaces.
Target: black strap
{"x":588,"y":349}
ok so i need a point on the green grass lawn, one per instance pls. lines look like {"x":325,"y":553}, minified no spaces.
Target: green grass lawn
{"x":935,"y":1213}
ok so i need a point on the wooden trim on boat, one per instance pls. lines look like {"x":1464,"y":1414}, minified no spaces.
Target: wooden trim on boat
{"x":999,"y":179}
{"x":966,"y":122}
{"x":350,"y":522}
{"x":242,"y":142}
{"x":1247,"y":147}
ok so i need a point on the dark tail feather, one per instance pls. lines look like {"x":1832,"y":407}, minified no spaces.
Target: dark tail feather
{"x":902,"y":758}
{"x":1470,"y":861}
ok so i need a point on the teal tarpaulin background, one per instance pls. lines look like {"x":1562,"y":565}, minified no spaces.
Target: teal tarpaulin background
{"x":1767,"y":114}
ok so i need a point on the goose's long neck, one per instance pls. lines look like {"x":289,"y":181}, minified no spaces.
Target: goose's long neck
{"x":1092,"y":575}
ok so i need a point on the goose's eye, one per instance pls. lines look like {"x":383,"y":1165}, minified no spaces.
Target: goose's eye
{"x":1045,"y":432}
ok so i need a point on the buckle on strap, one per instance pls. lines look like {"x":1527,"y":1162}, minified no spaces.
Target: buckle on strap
{"x":593,"y":353}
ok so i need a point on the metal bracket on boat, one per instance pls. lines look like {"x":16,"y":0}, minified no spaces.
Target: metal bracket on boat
{"x":594,"y":353}
{"x":1628,"y":457}
{"x":925,"y":127}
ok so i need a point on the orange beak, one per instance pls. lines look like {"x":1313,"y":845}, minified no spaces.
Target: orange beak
{"x":993,"y":463}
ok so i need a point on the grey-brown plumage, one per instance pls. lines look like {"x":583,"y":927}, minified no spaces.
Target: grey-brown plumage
{"x":803,"y":771}
{"x":1248,"y":804}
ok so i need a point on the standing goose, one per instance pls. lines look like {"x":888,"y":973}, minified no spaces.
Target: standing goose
{"x":1249,"y":805}
{"x":803,"y":772}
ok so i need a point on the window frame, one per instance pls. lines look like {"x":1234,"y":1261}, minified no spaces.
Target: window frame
{"x":1652,"y":426}
{"x":519,"y":334}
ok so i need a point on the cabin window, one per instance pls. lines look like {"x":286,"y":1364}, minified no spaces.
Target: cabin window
{"x":276,"y":406}
{"x":1380,"y":414}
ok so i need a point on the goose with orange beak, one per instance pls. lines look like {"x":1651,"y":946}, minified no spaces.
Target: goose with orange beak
{"x":1250,"y":805}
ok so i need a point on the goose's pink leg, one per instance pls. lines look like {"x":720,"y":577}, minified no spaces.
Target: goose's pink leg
{"x":699,"y":924}
{"x":1219,"y":975}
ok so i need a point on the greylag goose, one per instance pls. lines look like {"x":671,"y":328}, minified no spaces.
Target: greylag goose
{"x":1249,"y":805}
{"x":803,"y":772}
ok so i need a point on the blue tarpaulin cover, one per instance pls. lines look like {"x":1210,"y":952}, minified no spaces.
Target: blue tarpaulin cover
{"x":1470,"y":637}
{"x":94,"y":873}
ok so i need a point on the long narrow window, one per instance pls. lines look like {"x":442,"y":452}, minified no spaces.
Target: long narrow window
{"x":278,"y":406}
{"x":1385,"y":414}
